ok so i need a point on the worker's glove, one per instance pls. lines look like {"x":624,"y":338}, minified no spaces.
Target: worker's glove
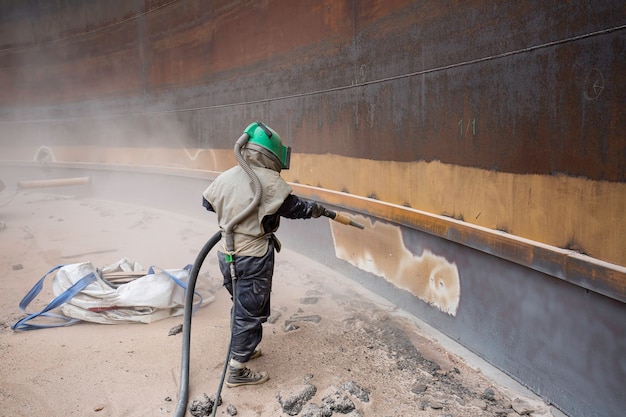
{"x":317,"y":210}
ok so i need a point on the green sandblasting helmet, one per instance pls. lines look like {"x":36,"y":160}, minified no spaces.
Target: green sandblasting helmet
{"x":266,"y":140}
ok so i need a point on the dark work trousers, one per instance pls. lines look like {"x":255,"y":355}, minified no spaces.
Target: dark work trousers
{"x":252,"y":307}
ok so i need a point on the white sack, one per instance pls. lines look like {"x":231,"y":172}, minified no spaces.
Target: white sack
{"x":146,"y":299}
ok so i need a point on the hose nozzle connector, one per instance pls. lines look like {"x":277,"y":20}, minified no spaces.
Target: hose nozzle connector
{"x":340,"y":218}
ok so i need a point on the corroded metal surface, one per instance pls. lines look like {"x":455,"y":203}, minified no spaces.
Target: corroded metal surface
{"x":497,"y":87}
{"x":530,"y":92}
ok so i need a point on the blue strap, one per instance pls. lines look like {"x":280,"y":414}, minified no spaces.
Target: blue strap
{"x":180,"y":283}
{"x":57,"y":302}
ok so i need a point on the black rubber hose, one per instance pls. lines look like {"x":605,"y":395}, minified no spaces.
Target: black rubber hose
{"x":230,"y":344}
{"x":183,"y":393}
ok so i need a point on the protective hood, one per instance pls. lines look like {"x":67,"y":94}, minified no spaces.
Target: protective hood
{"x":258,"y":159}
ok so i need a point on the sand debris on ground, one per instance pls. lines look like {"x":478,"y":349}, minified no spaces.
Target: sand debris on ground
{"x":331,"y":347}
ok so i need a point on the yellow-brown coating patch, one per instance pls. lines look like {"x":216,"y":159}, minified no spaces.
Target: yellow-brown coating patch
{"x":566,"y":212}
{"x":380,"y":249}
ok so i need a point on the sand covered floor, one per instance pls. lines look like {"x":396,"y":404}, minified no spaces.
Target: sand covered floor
{"x":325,"y":332}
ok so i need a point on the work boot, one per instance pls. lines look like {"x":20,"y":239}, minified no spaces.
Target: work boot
{"x":244,"y":376}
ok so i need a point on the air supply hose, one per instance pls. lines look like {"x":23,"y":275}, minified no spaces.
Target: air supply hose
{"x":183,"y":393}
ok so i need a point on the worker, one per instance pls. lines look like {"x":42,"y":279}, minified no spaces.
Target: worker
{"x":255,"y":241}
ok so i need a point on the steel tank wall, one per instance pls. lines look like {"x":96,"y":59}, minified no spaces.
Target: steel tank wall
{"x":506,"y":116}
{"x":482,"y":142}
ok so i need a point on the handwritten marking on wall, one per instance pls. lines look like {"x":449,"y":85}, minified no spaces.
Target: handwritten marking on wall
{"x":380,"y":249}
{"x":594,"y":84}
{"x":44,"y":154}
{"x":470,"y":123}
{"x":194,"y":156}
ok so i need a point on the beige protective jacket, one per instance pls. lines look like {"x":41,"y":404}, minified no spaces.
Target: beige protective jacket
{"x":232,"y":191}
